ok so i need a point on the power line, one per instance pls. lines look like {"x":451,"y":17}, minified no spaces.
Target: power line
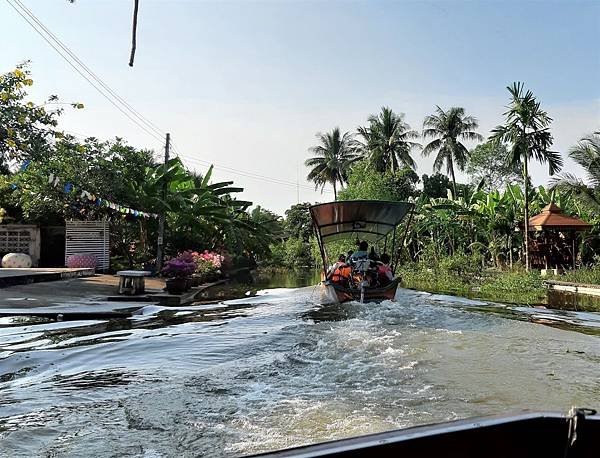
{"x":178,"y":155}
{"x":253,"y":175}
{"x":136,"y":113}
{"x":149,"y":132}
{"x":107,"y":92}
{"x":261,"y":177}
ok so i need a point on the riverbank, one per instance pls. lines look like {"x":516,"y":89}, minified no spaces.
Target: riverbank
{"x":507,"y":286}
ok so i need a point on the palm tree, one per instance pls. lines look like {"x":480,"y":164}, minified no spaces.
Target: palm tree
{"x":527,"y":130}
{"x":333,"y":158}
{"x":386,"y":141}
{"x":587,"y":154}
{"x":446,"y":128}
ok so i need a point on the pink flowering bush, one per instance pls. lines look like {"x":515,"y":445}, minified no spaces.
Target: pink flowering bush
{"x":207,"y":262}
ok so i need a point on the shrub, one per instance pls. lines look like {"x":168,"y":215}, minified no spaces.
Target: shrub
{"x":207,"y":263}
{"x":178,"y":267}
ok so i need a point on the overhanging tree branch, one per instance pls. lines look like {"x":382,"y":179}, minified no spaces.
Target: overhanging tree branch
{"x":136,"y":4}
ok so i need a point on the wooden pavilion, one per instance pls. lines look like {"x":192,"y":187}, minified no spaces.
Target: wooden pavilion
{"x":553,"y":244}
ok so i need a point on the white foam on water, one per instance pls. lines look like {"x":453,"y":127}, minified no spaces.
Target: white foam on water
{"x":278,"y":371}
{"x":449,"y":331}
{"x":447,"y":299}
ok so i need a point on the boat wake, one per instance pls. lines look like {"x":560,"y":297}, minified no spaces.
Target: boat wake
{"x":276,"y":370}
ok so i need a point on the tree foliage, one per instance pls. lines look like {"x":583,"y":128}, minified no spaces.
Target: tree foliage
{"x":447,"y":129}
{"x":334,"y":155}
{"x":586,"y":153}
{"x":366,"y":183}
{"x":527,"y":130}
{"x":50,"y":170}
{"x":436,"y":186}
{"x":488,"y":162}
{"x":387,"y":141}
{"x":27,"y":130}
{"x":298,"y":222}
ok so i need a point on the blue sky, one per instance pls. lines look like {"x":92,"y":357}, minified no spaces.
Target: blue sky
{"x":246,"y":85}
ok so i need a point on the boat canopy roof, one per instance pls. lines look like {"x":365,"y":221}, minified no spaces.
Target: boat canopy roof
{"x":364,"y":219}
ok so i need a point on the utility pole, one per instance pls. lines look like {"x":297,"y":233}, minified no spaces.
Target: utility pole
{"x":297,"y":182}
{"x":161,"y":218}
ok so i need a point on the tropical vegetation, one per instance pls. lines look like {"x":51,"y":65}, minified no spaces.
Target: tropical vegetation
{"x":474,"y":231}
{"x":447,"y":129}
{"x":470,"y":231}
{"x":48,"y":176}
{"x":333,"y":158}
{"x":387,"y":141}
{"x":527,"y":130}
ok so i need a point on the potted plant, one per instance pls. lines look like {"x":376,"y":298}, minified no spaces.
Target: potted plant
{"x":188,"y":257}
{"x":178,"y":271}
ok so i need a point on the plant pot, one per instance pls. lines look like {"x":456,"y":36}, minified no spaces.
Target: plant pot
{"x":196,"y":280}
{"x":188,"y":283}
{"x":176,"y":285}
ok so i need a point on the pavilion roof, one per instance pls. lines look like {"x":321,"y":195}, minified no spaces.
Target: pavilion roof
{"x":552,"y":217}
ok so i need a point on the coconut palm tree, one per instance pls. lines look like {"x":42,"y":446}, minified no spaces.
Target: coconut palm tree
{"x":333,"y":158}
{"x":587,"y":154}
{"x":447,"y":128}
{"x":527,"y":131}
{"x":386,"y":141}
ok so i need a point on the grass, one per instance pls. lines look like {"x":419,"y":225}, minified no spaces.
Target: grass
{"x":466,"y":278}
{"x":515,"y":286}
{"x":589,"y":276}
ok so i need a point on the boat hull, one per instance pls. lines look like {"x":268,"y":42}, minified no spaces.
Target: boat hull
{"x":337,"y":293}
{"x":544,"y":434}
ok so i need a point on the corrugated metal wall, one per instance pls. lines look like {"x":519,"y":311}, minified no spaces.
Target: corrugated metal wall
{"x":89,"y":237}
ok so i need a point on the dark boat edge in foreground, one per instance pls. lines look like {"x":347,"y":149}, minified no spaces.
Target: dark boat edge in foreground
{"x":527,"y":434}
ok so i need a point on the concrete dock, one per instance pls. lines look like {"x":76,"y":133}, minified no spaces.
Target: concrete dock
{"x":23,"y":276}
{"x":71,"y":292}
{"x":93,"y":297}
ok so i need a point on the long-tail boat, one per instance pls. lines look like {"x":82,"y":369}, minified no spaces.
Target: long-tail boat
{"x":375,"y":222}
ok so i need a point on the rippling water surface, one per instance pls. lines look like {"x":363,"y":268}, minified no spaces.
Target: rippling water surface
{"x":278,"y":370}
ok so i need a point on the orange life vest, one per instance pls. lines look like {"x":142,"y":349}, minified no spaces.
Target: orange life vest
{"x":341,"y":274}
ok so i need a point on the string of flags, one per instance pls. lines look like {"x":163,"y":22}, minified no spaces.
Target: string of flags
{"x":69,"y":187}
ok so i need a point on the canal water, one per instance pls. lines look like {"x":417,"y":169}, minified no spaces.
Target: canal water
{"x":277,"y":370}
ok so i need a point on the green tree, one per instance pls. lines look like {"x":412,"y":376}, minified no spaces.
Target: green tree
{"x":105,"y":169}
{"x":386,"y":141}
{"x":447,"y":128}
{"x":298,"y":222}
{"x":333,"y":158}
{"x":268,"y":220}
{"x":366,"y":183}
{"x":527,"y":131}
{"x":487,"y":162}
{"x":586,"y":153}
{"x":436,"y":185}
{"x":27,"y":130}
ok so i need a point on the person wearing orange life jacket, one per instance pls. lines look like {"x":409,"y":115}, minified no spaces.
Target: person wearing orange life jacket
{"x":384,"y":272}
{"x":340,"y":271}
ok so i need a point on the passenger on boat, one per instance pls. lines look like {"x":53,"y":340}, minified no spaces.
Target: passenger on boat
{"x":362,"y":252}
{"x":372,"y":255}
{"x":384,"y":271}
{"x":340,"y":262}
{"x":341,"y":272}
